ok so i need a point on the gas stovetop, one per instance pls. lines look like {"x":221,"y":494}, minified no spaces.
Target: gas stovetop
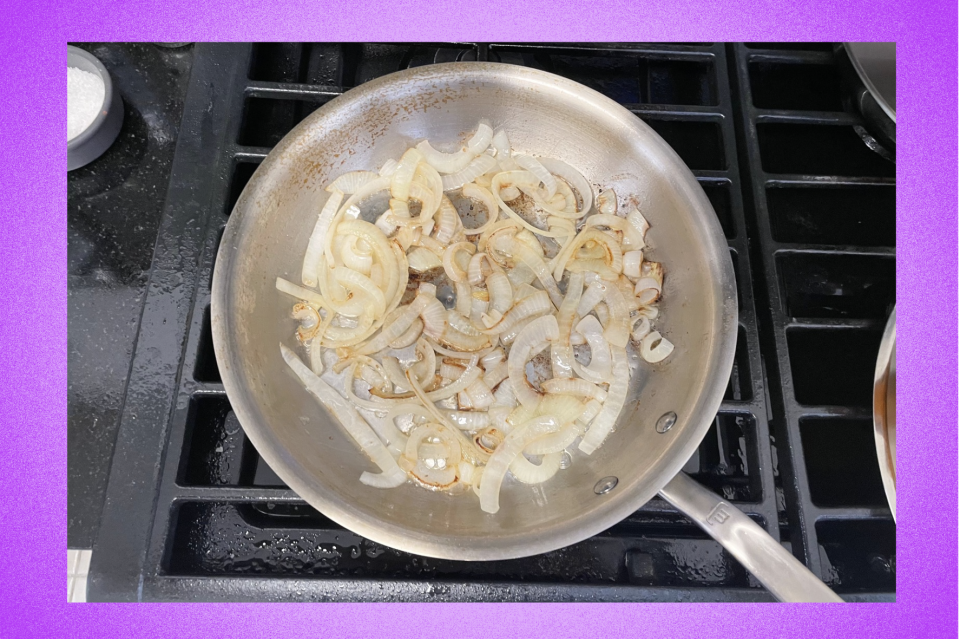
{"x":808,"y":210}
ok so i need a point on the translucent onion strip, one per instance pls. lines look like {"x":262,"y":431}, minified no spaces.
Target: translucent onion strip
{"x":505,"y":454}
{"x":543,"y":175}
{"x":485,"y":196}
{"x":655,"y":348}
{"x":477,"y":167}
{"x":530,"y":341}
{"x":352,"y":182}
{"x":300,"y":293}
{"x":527,"y":472}
{"x":311,"y":258}
{"x":453,"y":162}
{"x":352,"y":422}
{"x":603,"y":424}
{"x":574,"y":178}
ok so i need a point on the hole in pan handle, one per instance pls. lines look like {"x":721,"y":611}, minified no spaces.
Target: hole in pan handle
{"x":778,"y":570}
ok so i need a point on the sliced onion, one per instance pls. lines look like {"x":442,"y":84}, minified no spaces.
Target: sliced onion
{"x":607,"y":202}
{"x":360,"y":283}
{"x":647,"y":290}
{"x":453,"y":162}
{"x":438,"y":467}
{"x":300,"y":293}
{"x":525,"y":471}
{"x":617,"y":328}
{"x":591,"y":297}
{"x":590,"y":411}
{"x":394,"y":372}
{"x":574,"y":386}
{"x":378,"y":405}
{"x":311,"y":258}
{"x":428,"y":176}
{"x":352,"y":182}
{"x":504,"y":157}
{"x":501,"y":292}
{"x":480,"y":394}
{"x":491,"y":359}
{"x":477,"y":272}
{"x":504,"y":397}
{"x":309,"y":319}
{"x":572,"y":177}
{"x":530,"y":341}
{"x":316,"y":346}
{"x":451,"y":369}
{"x":561,"y":355}
{"x":598,"y":267}
{"x":650,"y":312}
{"x":479,"y":193}
{"x":402,"y":177}
{"x":641,"y":328}
{"x":631,"y":263}
{"x":448,"y":220}
{"x":468,"y":420}
{"x":352,"y":422}
{"x":514,"y":248}
{"x":614,"y":259}
{"x":655,"y":348}
{"x":603,"y":424}
{"x":495,"y":374}
{"x":598,"y":370}
{"x":505,"y":454}
{"x":357,"y":255}
{"x":469,"y":376}
{"x":554,"y":443}
{"x":467,"y":448}
{"x":520,"y":415}
{"x":368,"y":189}
{"x":543,"y":175}
{"x":603,"y":314}
{"x":422,"y":260}
{"x":459,"y":323}
{"x":410,"y":336}
{"x":533,"y":305}
{"x":452,"y":338}
{"x":481,"y":139}
{"x":509,"y":178}
{"x":565,"y":408}
{"x":451,"y":267}
{"x":388,"y":168}
{"x":636,"y":237}
{"x":464,"y":300}
{"x":434,"y":317}
{"x":398,"y":326}
{"x":477,"y":167}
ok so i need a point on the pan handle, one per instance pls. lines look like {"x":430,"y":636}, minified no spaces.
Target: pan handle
{"x":761,"y":554}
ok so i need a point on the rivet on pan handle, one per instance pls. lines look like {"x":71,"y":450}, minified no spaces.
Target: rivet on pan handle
{"x":761,"y":554}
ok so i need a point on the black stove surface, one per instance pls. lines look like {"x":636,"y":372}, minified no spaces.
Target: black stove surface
{"x":193,"y":513}
{"x":114,"y":207}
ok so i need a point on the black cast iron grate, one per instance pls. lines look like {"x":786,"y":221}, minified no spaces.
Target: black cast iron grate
{"x":195,"y":514}
{"x":822,"y":223}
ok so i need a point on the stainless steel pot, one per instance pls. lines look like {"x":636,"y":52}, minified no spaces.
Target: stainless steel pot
{"x":868,"y":71}
{"x":670,"y":408}
{"x":885,"y":411}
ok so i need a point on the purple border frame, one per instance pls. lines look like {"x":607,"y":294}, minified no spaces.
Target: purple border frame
{"x":926,"y":33}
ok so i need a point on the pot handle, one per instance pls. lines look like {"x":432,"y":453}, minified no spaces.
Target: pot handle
{"x":776,"y":568}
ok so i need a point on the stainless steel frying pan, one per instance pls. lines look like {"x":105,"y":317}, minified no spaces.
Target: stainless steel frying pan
{"x":671,"y":405}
